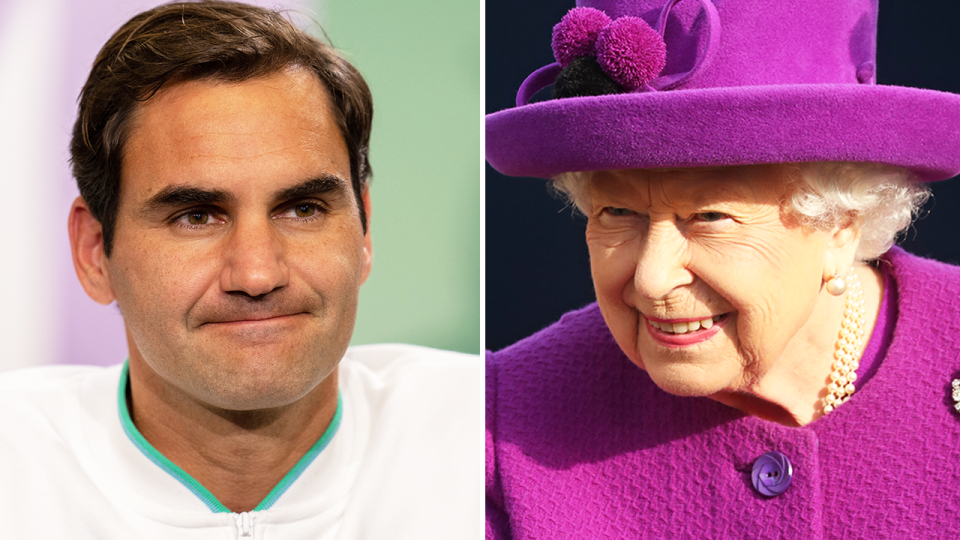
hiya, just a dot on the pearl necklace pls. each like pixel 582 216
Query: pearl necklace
pixel 849 347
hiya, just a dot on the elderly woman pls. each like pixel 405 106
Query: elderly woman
pixel 760 363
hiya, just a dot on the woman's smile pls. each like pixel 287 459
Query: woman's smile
pixel 708 264
pixel 685 331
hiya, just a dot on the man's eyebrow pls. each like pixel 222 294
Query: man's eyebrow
pixel 326 183
pixel 184 195
pixel 174 196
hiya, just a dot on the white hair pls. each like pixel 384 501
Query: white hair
pixel 884 199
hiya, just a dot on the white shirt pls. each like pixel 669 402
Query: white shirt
pixel 405 462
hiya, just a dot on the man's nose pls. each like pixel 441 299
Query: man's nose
pixel 662 261
pixel 254 262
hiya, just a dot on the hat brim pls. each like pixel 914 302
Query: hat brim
pixel 907 127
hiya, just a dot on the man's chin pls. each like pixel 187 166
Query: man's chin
pixel 231 394
pixel 253 378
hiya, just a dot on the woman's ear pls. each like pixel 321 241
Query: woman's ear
pixel 841 247
pixel 89 257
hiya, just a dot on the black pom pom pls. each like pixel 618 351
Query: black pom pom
pixel 584 77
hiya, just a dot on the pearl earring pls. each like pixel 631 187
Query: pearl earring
pixel 836 285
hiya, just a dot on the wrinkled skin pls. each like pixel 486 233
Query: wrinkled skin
pixel 691 244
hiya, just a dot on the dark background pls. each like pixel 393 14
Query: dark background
pixel 537 266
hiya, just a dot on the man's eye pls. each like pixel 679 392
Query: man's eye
pixel 197 218
pixel 301 210
pixel 305 210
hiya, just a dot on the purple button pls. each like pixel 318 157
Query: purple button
pixel 772 474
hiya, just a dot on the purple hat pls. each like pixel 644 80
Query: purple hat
pixel 697 83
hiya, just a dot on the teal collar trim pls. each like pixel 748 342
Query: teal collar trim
pixel 189 482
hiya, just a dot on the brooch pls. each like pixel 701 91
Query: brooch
pixel 956 394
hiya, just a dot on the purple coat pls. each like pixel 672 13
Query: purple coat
pixel 582 444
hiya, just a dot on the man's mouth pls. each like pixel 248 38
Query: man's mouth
pixel 253 318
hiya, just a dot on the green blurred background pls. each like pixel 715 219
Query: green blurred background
pixel 422 60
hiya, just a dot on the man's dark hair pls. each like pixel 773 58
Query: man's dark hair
pixel 215 40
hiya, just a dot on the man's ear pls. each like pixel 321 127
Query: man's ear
pixel 367 244
pixel 842 248
pixel 89 258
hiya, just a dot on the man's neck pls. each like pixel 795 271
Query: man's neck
pixel 239 456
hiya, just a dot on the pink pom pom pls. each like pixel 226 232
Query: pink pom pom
pixel 631 52
pixel 576 34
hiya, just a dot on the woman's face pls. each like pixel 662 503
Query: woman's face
pixel 702 278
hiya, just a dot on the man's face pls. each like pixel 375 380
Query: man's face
pixel 239 252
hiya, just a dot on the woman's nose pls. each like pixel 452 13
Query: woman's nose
pixel 662 261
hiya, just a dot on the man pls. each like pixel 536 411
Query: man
pixel 221 156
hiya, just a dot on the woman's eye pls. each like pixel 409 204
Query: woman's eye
pixel 710 217
pixel 614 211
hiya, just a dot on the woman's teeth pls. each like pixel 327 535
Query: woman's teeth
pixel 684 327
